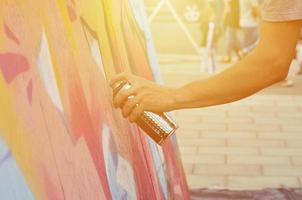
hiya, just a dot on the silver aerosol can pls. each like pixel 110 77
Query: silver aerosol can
pixel 158 126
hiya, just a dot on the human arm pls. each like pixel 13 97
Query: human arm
pixel 266 65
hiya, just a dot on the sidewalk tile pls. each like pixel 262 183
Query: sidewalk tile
pixel 294 143
pixel 228 150
pixel 282 170
pixel 206 126
pixel 188 150
pixel 278 120
pixel 204 159
pixel 228 134
pixel 253 127
pixel 182 133
pixel 280 136
pixel 206 119
pixel 294 115
pixel 211 182
pixel 188 167
pixel 254 143
pixel 260 160
pixel 256 183
pixel 281 151
pixel 292 128
pixel 227 170
pixel 251 114
pixel 297 160
pixel 201 142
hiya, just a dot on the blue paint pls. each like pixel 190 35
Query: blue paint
pixel 6 156
pixel 12 183
pixel 159 166
pixel 111 163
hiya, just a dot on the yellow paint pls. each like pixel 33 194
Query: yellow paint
pixel 68 28
pixel 93 14
pixel 55 65
pixel 15 136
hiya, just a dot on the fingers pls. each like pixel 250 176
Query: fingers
pixel 123 95
pixel 119 77
pixel 128 99
pixel 130 105
pixel 137 111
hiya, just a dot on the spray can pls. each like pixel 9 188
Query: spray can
pixel 159 126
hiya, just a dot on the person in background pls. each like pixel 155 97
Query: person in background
pixel 289 82
pixel 207 15
pixel 267 64
pixel 249 22
pixel 232 25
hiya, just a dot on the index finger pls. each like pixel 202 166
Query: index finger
pixel 117 78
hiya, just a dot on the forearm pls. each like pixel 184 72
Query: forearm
pixel 266 65
pixel 239 81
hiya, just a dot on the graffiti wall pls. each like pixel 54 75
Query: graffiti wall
pixel 60 138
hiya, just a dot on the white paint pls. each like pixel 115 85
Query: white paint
pixel 125 177
pixel 96 55
pixel 45 66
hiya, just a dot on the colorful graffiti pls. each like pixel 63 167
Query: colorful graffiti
pixel 60 138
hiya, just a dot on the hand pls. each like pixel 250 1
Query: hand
pixel 143 96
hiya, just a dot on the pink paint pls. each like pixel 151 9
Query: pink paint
pixel 71 13
pixel 12 65
pixel 10 34
pixel 53 190
pixel 29 91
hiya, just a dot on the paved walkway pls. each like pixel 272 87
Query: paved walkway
pixel 251 144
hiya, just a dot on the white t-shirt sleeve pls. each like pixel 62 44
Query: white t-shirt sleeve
pixel 281 10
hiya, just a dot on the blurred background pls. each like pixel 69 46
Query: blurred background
pixel 251 144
